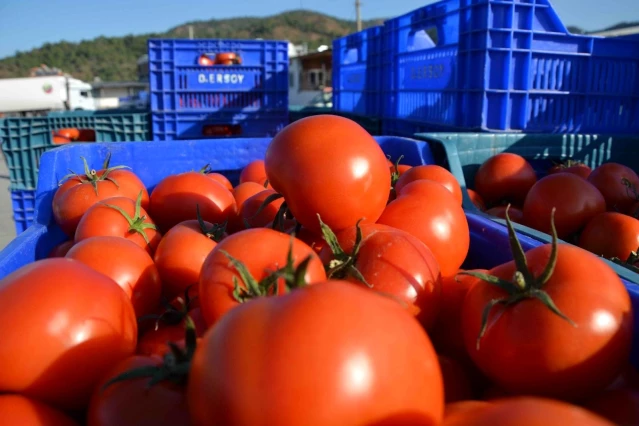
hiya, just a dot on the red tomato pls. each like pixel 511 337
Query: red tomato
pixel 505 177
pixel 457 385
pixel 527 348
pixel 611 235
pixel 22 411
pixel 70 133
pixel 119 217
pixel 125 263
pixel 337 162
pixel 515 215
pixel 609 178
pixel 476 199
pixel 262 251
pixel 578 169
pixel 313 240
pixel 620 406
pixel 241 193
pixel 132 402
pixel 250 210
pixel 456 413
pixel 431 172
pixel 365 373
pixel 181 254
pixel 205 61
pixel 227 58
pixel 447 334
pixel 155 341
pixel 74 197
pixel 60 140
pixel 61 249
pixel 81 324
pixel 392 262
pixel 576 200
pixel 254 171
pixel 526 411
pixel 436 218
pixel 218 177
pixel 176 198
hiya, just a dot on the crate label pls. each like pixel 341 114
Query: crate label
pixel 432 74
pixel 220 78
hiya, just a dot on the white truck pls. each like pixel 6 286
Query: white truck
pixel 39 95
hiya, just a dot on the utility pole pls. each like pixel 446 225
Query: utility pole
pixel 358 14
pixel 191 32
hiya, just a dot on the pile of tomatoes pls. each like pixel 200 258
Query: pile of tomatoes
pixel 72 134
pixel 596 209
pixel 323 289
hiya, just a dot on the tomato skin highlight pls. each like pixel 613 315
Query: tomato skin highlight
pixel 431 172
pixel 611 235
pixel 176 197
pixel 607 178
pixel 101 220
pixel 262 251
pixel 348 181
pixel 576 200
pixel 21 411
pixel 505 177
pixel 527 349
pixel 362 374
pixel 125 263
pixel 436 218
pixel 83 325
pixel 132 403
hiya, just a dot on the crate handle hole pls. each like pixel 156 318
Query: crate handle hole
pixel 426 38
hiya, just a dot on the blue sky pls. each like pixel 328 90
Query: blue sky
pixel 25 24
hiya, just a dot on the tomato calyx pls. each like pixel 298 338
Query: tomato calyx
pixel 343 264
pixel 569 162
pixel 91 175
pixel 632 262
pixel 395 175
pixel 283 213
pixel 174 367
pixel 523 284
pixel 172 315
pixel 293 277
pixel 137 222
pixel 215 232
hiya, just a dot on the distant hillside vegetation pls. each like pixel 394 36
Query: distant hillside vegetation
pixel 114 58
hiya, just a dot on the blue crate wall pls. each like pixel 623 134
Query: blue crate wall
pixel 357 73
pixel 508 65
pixel 23 203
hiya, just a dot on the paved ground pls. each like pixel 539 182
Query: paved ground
pixel 7 228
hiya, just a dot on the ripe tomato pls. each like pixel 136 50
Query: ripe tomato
pixel 176 198
pixel 431 172
pixel 436 218
pixel 365 373
pixel 218 177
pixel 456 413
pixel 170 329
pixel 516 215
pixel 476 199
pixel 526 411
pixel 227 58
pixel 527 348
pixel 74 197
pixel 181 254
pixel 70 133
pixel 577 168
pixel 132 402
pixel 576 200
pixel 81 325
pixel 262 251
pixel 125 263
pixel 331 166
pixel 611 235
pixel 250 210
pixel 609 179
pixel 119 217
pixel 392 262
pixel 254 171
pixel 620 406
pixel 313 240
pixel 61 249
pixel 241 193
pixel 447 334
pixel 505 177
pixel 22 411
pixel 457 386
pixel 60 140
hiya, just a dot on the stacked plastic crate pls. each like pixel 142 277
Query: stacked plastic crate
pixel 217 88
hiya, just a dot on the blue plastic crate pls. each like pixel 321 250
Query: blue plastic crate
pixel 464 153
pixel 203 125
pixel 179 84
pixel 24 140
pixel 23 204
pixel 357 73
pixel 507 65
